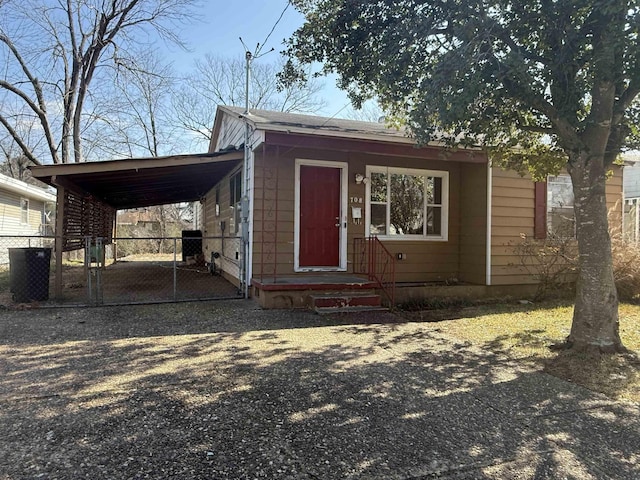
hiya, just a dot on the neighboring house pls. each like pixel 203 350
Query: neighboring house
pixel 140 217
pixel 168 220
pixel 317 185
pixel 632 197
pixel 25 211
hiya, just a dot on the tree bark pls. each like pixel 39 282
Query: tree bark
pixel 595 315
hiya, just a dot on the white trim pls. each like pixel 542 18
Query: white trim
pixel 344 187
pixel 443 174
pixel 636 227
pixel 26 190
pixel 489 222
pixel 633 202
pixel 549 208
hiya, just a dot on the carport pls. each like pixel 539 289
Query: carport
pixel 89 194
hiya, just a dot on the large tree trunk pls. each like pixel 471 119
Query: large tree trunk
pixel 595 315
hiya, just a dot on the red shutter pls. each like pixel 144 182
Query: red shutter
pixel 540 218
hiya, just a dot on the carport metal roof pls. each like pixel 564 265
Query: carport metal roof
pixel 142 182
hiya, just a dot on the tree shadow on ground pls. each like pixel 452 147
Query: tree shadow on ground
pixel 616 376
pixel 43 326
pixel 332 402
pixel 188 318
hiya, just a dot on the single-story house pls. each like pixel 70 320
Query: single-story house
pixel 318 187
pixel 331 212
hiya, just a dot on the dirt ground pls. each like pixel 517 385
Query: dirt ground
pixel 135 280
pixel 210 390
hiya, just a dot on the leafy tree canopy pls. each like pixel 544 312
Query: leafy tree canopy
pixel 543 76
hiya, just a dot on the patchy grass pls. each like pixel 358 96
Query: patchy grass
pixel 525 332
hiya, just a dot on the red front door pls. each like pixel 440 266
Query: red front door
pixel 319 216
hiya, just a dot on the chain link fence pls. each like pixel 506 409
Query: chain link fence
pixel 25 266
pixel 122 271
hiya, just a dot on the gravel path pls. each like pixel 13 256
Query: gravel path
pixel 224 390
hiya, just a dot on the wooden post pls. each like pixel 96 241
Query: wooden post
pixel 59 240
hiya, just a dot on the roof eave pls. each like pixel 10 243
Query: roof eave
pixel 44 172
pixel 29 191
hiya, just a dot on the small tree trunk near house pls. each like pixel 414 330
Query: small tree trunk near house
pixel 595 315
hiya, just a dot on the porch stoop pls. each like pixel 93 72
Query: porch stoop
pixel 323 293
pixel 335 303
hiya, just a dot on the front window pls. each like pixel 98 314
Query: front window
pixel 407 203
pixel 560 217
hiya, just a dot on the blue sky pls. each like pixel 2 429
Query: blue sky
pixel 221 24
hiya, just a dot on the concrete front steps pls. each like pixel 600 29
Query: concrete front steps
pixel 326 293
pixel 325 304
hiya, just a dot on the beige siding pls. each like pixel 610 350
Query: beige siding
pixel 226 242
pixel 426 261
pixel 273 218
pixel 513 215
pixel 473 224
pixel 512 198
pixel 10 215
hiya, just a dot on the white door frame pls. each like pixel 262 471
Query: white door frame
pixel 344 176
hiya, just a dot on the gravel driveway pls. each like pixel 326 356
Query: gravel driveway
pixel 225 390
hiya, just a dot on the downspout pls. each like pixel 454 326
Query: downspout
pixel 489 219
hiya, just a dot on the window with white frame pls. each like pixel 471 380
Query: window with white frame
pixel 560 216
pixel 48 214
pixel 24 210
pixel 235 194
pixel 407 203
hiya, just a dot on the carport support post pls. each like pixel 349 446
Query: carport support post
pixel 59 240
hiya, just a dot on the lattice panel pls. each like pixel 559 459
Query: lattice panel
pixel 85 217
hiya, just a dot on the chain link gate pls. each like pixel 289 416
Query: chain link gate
pixel 93 264
pixel 118 271
pixel 154 269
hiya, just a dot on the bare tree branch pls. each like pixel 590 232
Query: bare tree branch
pixel 25 149
pixel 79 37
pixel 220 80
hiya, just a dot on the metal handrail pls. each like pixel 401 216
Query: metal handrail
pixel 379 266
